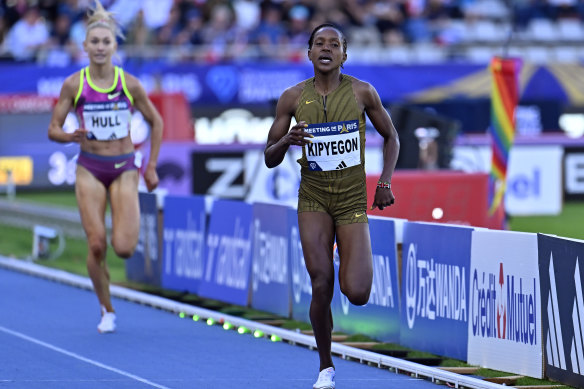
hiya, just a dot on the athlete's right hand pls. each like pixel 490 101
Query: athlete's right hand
pixel 297 136
pixel 78 135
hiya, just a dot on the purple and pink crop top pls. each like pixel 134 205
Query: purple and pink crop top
pixel 105 113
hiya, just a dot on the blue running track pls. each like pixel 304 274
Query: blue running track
pixel 48 339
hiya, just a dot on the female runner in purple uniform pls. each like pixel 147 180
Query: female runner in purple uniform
pixel 104 97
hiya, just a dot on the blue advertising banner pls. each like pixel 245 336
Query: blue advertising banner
pixel 271 264
pixel 561 279
pixel 301 285
pixel 228 253
pixel 145 266
pixel 24 135
pixel 379 318
pixel 260 83
pixel 241 83
pixel 435 282
pixel 184 242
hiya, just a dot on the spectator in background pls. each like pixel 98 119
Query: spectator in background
pixel 75 9
pixel 437 16
pixel 563 9
pixel 436 9
pixel 3 33
pixel 359 12
pixel 298 16
pixel 192 32
pixel 61 50
pixel 138 33
pixel 226 26
pixel 77 34
pixel 61 31
pixel 190 37
pixel 220 34
pixel 527 10
pixel 47 8
pixel 449 33
pixel 416 25
pixel 248 14
pixel 166 34
pixel 15 11
pixel 389 19
pixel 156 12
pixel 298 35
pixel 334 13
pixel 28 36
pixel 270 32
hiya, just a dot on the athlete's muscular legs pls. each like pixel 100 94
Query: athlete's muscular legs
pixel 317 235
pixel 92 200
pixel 125 213
pixel 356 269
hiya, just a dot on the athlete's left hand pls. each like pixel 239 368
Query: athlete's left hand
pixel 383 198
pixel 151 178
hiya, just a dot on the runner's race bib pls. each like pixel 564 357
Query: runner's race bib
pixel 107 120
pixel 335 145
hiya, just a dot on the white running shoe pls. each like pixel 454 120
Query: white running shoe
pixel 107 323
pixel 326 379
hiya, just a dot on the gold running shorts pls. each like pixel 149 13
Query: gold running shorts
pixel 340 193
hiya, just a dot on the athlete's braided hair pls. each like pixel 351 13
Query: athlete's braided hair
pixel 100 17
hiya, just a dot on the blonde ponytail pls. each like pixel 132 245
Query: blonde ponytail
pixel 100 17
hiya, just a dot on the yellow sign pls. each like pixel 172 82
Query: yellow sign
pixel 21 169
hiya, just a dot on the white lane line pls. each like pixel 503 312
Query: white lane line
pixel 81 358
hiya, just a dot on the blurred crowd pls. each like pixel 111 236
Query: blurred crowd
pixel 53 31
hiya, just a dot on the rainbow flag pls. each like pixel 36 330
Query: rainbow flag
pixel 504 99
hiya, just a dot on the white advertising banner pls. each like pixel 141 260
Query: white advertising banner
pixel 504 326
pixel 273 186
pixel 534 185
pixel 534 176
pixel 574 177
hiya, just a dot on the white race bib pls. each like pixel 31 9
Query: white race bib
pixel 107 120
pixel 335 145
